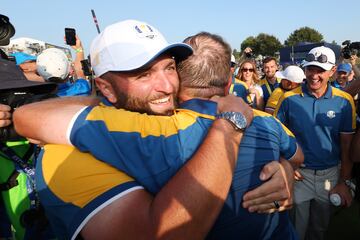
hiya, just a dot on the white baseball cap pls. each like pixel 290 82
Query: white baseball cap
pixel 233 59
pixel 291 73
pixel 53 62
pixel 322 57
pixel 129 45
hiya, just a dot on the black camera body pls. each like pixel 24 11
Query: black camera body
pixel 16 98
pixel 7 30
pixel 249 55
pixel 351 48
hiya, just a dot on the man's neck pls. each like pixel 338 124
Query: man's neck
pixel 318 93
pixel 343 84
pixel 271 80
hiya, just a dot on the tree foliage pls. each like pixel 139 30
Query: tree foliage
pixel 304 34
pixel 263 44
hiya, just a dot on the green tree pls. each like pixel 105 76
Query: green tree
pixel 304 34
pixel 236 54
pixel 263 44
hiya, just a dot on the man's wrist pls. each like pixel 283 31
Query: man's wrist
pixel 79 50
pixel 236 119
pixel 228 129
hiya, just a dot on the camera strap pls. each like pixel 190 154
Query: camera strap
pixel 10 182
pixel 27 169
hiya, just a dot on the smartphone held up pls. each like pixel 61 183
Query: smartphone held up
pixel 70 36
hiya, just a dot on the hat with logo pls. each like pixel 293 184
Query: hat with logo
pixel 11 77
pixel 53 63
pixel 130 45
pixel 21 57
pixel 291 73
pixel 344 67
pixel 322 57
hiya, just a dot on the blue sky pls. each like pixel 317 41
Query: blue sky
pixel 234 20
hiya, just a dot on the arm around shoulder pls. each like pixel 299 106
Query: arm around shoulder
pixel 47 121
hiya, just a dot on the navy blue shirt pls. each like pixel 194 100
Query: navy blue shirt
pixel 318 122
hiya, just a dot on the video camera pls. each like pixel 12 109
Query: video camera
pixel 351 48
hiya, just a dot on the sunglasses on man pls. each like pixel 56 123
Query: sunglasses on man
pixel 321 59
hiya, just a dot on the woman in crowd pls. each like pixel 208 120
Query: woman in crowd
pixel 249 75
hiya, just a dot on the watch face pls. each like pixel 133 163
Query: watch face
pixel 239 120
pixel 235 118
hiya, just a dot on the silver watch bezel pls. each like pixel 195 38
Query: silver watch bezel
pixel 237 119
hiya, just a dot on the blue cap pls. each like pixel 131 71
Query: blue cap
pixel 21 57
pixel 344 67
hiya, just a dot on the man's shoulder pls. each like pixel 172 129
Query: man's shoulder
pixel 262 82
pixel 62 163
pixel 80 184
pixel 342 94
pixel 268 123
pixel 263 118
pixel 294 92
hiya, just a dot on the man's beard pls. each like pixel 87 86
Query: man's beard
pixel 140 105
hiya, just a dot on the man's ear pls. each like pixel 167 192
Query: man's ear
pixel 106 89
pixel 333 70
pixel 228 85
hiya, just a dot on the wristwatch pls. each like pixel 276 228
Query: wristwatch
pixel 236 119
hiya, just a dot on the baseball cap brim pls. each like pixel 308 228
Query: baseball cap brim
pixel 325 66
pixel 32 86
pixel 279 74
pixel 180 51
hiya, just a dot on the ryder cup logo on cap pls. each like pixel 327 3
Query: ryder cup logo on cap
pixel 129 45
pixel 145 31
pixel 322 57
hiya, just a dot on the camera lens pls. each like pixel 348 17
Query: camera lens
pixel 6 30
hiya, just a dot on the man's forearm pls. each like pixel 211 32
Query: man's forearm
pixel 346 163
pixel 196 194
pixel 298 158
pixel 47 121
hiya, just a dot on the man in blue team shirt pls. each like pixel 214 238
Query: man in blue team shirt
pixel 343 71
pixel 291 146
pixel 323 121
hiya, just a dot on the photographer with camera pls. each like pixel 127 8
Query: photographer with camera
pixel 16 154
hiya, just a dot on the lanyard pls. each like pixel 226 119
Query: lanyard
pixel 27 169
pixel 268 86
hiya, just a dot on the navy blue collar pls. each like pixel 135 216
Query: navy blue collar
pixel 106 102
pixel 305 91
pixel 201 106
